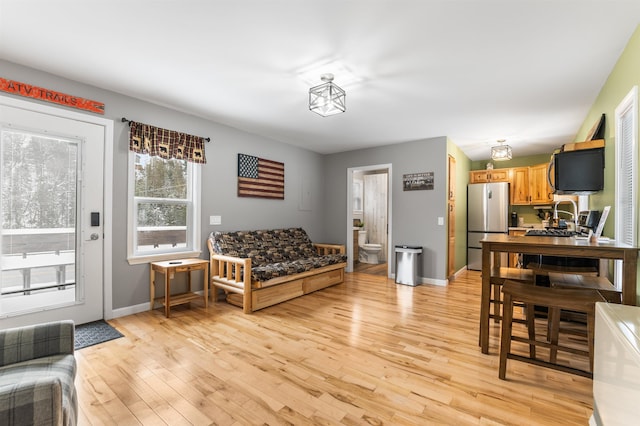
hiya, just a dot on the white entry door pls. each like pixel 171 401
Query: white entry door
pixel 51 211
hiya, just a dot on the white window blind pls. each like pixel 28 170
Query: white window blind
pixel 626 168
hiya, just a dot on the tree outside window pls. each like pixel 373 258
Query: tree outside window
pixel 163 205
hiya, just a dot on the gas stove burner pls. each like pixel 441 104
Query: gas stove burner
pixel 550 232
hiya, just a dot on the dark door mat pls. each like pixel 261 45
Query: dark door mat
pixel 95 332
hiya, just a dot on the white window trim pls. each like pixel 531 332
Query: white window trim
pixel 628 104
pixel 194 235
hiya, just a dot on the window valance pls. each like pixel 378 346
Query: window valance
pixel 155 141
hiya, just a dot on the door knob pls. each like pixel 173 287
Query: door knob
pixel 94 236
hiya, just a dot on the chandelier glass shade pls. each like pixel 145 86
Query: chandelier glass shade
pixel 327 98
pixel 501 152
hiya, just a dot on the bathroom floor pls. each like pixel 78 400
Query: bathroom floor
pixel 368 268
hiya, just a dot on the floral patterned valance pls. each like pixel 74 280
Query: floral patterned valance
pixel 164 143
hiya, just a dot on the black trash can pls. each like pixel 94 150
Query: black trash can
pixel 408 264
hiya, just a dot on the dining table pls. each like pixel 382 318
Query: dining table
pixel 493 244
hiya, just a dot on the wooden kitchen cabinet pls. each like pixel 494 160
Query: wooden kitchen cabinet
pixel 356 250
pixel 479 176
pixel 500 175
pixel 520 186
pixel 540 190
pixel 529 185
pixel 484 176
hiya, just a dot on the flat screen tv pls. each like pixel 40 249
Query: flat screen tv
pixel 578 172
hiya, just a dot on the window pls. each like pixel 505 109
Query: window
pixel 357 196
pixel 164 218
pixel 626 168
pixel 626 128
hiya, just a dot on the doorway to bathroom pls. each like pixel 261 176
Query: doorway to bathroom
pixel 368 219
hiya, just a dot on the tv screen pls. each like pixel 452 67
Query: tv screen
pixel 579 172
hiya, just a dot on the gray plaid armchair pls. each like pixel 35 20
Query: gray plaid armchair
pixel 37 373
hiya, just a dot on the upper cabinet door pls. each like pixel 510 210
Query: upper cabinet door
pixel 486 176
pixel 499 175
pixel 520 186
pixel 479 176
pixel 540 190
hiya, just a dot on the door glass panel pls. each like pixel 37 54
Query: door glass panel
pixel 38 205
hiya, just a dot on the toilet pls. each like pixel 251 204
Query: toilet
pixel 368 253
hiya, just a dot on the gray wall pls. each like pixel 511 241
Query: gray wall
pixel 131 283
pixel 414 213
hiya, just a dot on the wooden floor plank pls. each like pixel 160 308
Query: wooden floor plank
pixel 367 351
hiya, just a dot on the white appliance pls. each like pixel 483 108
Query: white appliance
pixel 487 213
pixel 616 370
pixel 368 252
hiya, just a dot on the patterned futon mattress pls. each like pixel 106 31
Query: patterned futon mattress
pixel 274 252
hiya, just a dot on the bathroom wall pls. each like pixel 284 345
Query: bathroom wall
pixel 375 211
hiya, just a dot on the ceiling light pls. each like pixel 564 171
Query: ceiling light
pixel 501 152
pixel 327 98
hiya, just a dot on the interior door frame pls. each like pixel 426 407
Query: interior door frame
pixel 107 275
pixel 451 215
pixel 349 223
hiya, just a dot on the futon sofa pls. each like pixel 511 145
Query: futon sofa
pixel 257 269
pixel 37 373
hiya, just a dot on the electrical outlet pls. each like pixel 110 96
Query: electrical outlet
pixel 215 220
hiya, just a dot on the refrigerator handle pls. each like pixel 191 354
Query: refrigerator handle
pixel 490 194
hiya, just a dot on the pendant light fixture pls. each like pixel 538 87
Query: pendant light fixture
pixel 327 98
pixel 501 152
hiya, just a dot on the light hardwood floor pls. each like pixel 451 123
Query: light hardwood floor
pixel 367 268
pixel 366 352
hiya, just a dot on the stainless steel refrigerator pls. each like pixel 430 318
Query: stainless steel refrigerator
pixel 487 213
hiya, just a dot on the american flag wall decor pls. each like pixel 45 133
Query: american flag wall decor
pixel 260 178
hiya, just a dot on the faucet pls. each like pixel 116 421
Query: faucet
pixel 574 215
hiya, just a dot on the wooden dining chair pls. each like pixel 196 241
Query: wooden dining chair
pixel 555 299
pixel 578 282
pixel 543 270
pixel 498 276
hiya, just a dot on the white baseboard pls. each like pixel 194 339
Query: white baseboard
pixel 135 309
pixel 460 271
pixel 434 281
pixel 424 280
pixel 129 310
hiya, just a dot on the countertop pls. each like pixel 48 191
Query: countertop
pixel 526 226
pixel 531 245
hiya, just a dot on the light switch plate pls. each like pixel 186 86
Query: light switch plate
pixel 440 220
pixel 215 220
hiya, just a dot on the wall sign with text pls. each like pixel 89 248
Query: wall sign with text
pixel 35 92
pixel 417 181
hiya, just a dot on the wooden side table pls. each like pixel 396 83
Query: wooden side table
pixel 169 269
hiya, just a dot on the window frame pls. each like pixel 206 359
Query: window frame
pixel 629 105
pixel 194 225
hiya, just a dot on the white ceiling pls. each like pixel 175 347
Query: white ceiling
pixel 476 71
